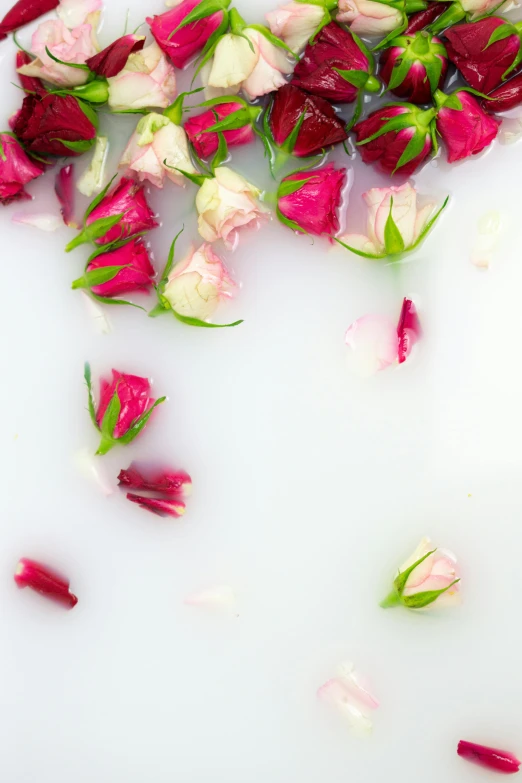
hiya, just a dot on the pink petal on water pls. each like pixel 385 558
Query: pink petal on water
pixel 336 693
pixel 356 685
pixel 492 758
pixel 163 508
pixel 373 344
pixel 64 189
pixel 42 220
pixel 44 580
pixel 408 329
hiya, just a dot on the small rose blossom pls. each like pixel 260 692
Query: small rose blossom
pixel 181 46
pixel 167 482
pixel 428 577
pixel 128 199
pixel 23 12
pixel 16 170
pixel 295 23
pixel 206 143
pixel 111 60
pixel 148 80
pixel 226 203
pixel 313 206
pixel 74 46
pixel 162 507
pixel 156 149
pixel 76 12
pixel 54 125
pixel 46 581
pixel 464 127
pixel 373 343
pixel 367 17
pixel 198 283
pixel 270 69
pixel 476 8
pixel 428 64
pixel 136 273
pixel 491 758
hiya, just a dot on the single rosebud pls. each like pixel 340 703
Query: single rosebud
pixel 147 80
pixel 491 758
pixel 397 138
pixel 507 96
pixel 336 66
pixel 429 576
pixel 118 271
pixel 232 117
pixel 45 581
pixel 464 127
pixel 16 170
pixel 61 54
pixel 296 22
pixel 370 17
pixel 486 51
pixel 414 66
pixel 111 60
pixel 309 201
pixel 123 410
pixel 184 30
pixel 168 482
pixel 23 12
pixel 59 125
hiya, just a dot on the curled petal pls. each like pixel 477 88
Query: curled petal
pixel 492 758
pixel 64 189
pixel 42 220
pixel 218 597
pixel 23 12
pixel 336 693
pixel 163 508
pixel 373 344
pixel 169 482
pixel 91 181
pixel 29 83
pixel 408 329
pixel 77 12
pixel 111 60
pixel 100 321
pixel 45 581
pixel 356 686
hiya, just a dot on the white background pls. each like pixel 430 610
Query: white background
pixel 310 487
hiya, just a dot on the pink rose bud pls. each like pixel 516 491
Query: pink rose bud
pixel 492 758
pixel 111 60
pixel 507 96
pixel 123 410
pixel 116 214
pixel 16 170
pixel 29 83
pixel 119 271
pixel 202 130
pixel 428 577
pixel 159 506
pixel 64 189
pixel 336 66
pixel 308 201
pixel 397 138
pixel 296 22
pixel 484 52
pixel 147 80
pixel 167 482
pixel 45 581
pixel 408 329
pixel 23 12
pixel 464 127
pixel 183 31
pixel 414 67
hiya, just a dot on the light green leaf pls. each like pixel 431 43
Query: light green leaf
pixel 88 383
pixel 420 600
pixel 170 262
pixel 393 241
pixel 111 415
pixel 414 148
pixel 221 153
pixel 139 424
pixel 185 319
pixel 355 78
pixel 357 252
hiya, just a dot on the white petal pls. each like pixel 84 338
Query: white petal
pixel 356 685
pixel 100 321
pixel 92 179
pixel 45 221
pixel 487 240
pixel 335 693
pixel 91 467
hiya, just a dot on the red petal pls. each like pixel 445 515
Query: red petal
pixel 111 60
pixel 23 12
pixel 163 508
pixel 64 189
pixel 492 758
pixel 29 83
pixel 169 482
pixel 45 581
pixel 408 329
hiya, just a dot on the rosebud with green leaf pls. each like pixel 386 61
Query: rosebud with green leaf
pixel 296 23
pixel 414 66
pixel 59 125
pixel 309 201
pixel 463 125
pixel 229 115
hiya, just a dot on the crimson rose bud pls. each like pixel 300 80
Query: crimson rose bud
pixel 334 49
pixel 397 138
pixel 507 96
pixel 55 125
pixel 111 60
pixel 308 201
pixel 23 12
pixel 16 170
pixel 45 581
pixel 320 126
pixel 484 51
pixel 414 66
pixel 128 199
pixel 119 271
pixel 464 127
pixel 421 19
pixel 191 37
pixel 206 144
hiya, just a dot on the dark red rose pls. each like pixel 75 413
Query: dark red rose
pixel 397 138
pixel 190 38
pixel 414 67
pixel 55 125
pixel 421 19
pixel 312 206
pixel 507 96
pixel 320 128
pixel 111 60
pixel 334 48
pixel 464 127
pixel 29 83
pixel 23 12
pixel 16 170
pixel 482 64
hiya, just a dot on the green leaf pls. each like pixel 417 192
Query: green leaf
pixel 357 252
pixel 98 276
pixel 402 578
pixel 433 71
pixel 413 148
pixel 109 300
pixel 201 11
pixel 222 99
pixel 170 262
pixel 111 415
pixel 158 310
pixel 272 38
pixel 94 203
pixel 81 66
pixel 399 122
pixel 393 241
pixel 394 33
pixel 88 383
pixel 499 33
pixel 290 223
pixel 429 225
pixel 139 424
pixel 289 186
pixel 221 153
pixel 400 71
pixel 76 146
pixel 420 600
pixel 234 121
pixel 185 319
pixel 356 78
pixel 289 143
pixel 453 102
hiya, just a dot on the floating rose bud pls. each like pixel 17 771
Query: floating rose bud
pixel 160 506
pixel 55 125
pixel 368 17
pixel 202 130
pixel 464 127
pixel 484 51
pixel 23 12
pixel 336 693
pixel 123 410
pixel 91 181
pixel 336 66
pixel 67 46
pixel 16 170
pixel 64 189
pixel 492 758
pixel 157 149
pixel 408 329
pixel 296 22
pixel 428 577
pixel 45 581
pixel 148 80
pixel 309 201
pixel 29 84
pixel 185 30
pixel 414 66
pixel 507 96
pixel 373 344
pixel 167 482
pixel 111 60
pixel 118 271
pixel 45 221
pixel 397 138
pixel 76 12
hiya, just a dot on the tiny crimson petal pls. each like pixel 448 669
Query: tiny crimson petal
pixel 492 758
pixel 111 60
pixel 187 41
pixel 314 206
pixel 137 274
pixel 408 329
pixel 23 12
pixel 206 144
pixel 126 198
pixel 44 580
pixel 29 83
pixel 169 482
pixel 16 170
pixel 422 19
pixel 64 189
pixel 159 506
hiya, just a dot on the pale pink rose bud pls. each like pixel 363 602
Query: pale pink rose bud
pixel 233 62
pixel 295 23
pixel 45 581
pixel 148 80
pixel 70 46
pixel 226 203
pixel 367 17
pixel 427 578
pixel 198 283
pixel 270 69
pixel 156 149
pixel 76 12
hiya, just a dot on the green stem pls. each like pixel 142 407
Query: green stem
pixel 393 599
pixel 81 239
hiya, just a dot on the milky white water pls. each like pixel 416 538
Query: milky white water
pixel 310 487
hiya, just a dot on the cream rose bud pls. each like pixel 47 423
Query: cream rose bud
pixel 367 17
pixel 156 148
pixel 198 283
pixel 225 203
pixel 295 23
pixel 267 74
pixel 147 80
pixel 233 62
pixel 72 46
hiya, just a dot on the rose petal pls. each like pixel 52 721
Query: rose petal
pixel 487 240
pixel 160 507
pixel 408 329
pixel 336 693
pixel 492 758
pixel 100 321
pixel 45 581
pixel 356 686
pixel 91 467
pixel 91 181
pixel 373 344
pixel 45 221
pixel 64 189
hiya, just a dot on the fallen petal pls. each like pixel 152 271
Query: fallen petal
pixel 91 181
pixel 219 597
pixel 373 344
pixel 91 467
pixel 23 12
pixel 64 189
pixel 45 581
pixel 42 220
pixel 169 481
pixel 356 686
pixel 99 319
pixel 336 693
pixel 492 758
pixel 408 329
pixel 486 242
pixel 163 508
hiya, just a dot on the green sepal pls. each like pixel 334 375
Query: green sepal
pixel 499 33
pixel 233 121
pixel 273 39
pixel 139 424
pixel 414 147
pixel 170 263
pixel 289 186
pixel 109 300
pixel 420 600
pixel 81 66
pixel 394 33
pixel 201 11
pixel 94 231
pixel 451 16
pixel 197 179
pixel 97 199
pixel 289 143
pixel 429 225
pixel 355 116
pixel 97 276
pixel 185 319
pixel 174 112
pixel 357 252
pixel 433 72
pixel 157 310
pixel 95 91
pixel 221 153
pixel 76 146
pixel 2 152
pixel 90 398
pixel 355 78
pixel 400 580
pixel 400 71
pixel 393 241
pixel 290 223
pixel 399 122
pixel 111 415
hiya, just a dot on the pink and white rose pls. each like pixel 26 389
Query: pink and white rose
pixel 73 46
pixel 295 23
pixel 76 12
pixel 148 80
pixel 367 17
